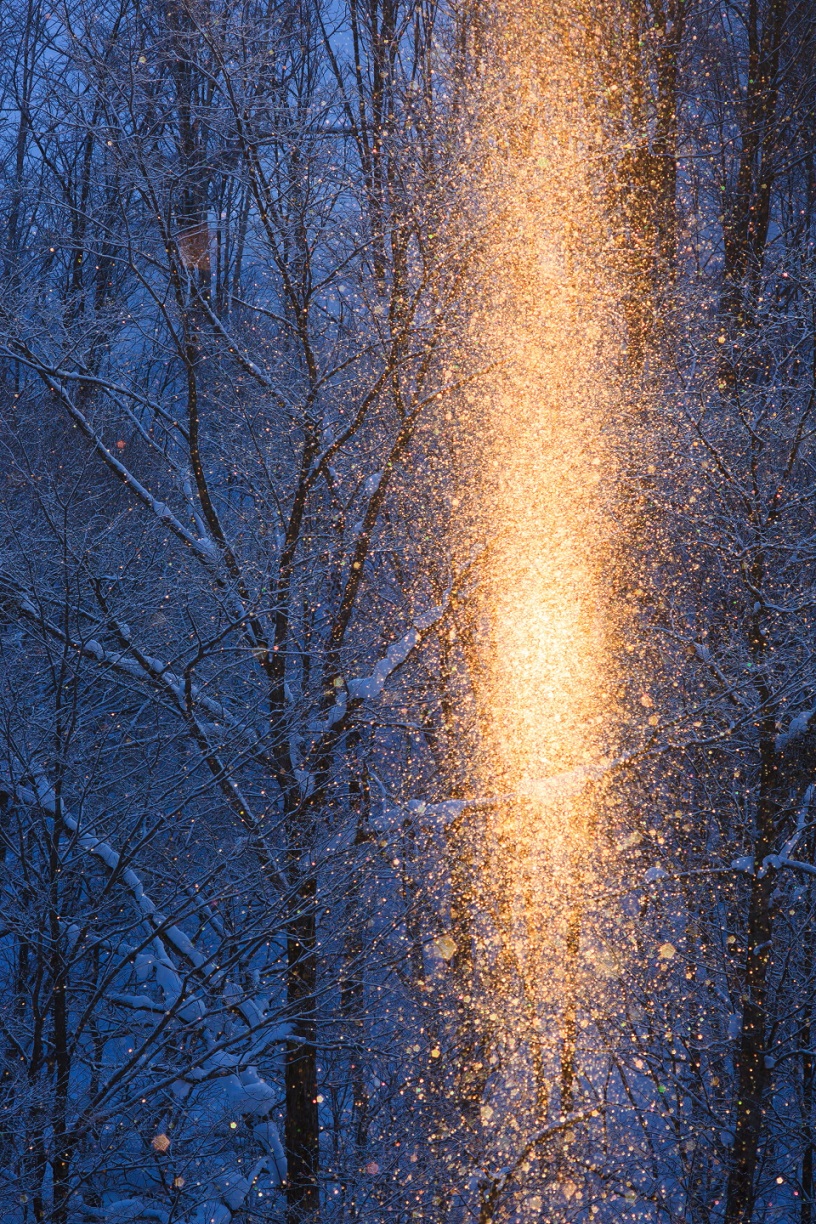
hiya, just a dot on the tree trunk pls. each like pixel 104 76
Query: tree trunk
pixel 302 1132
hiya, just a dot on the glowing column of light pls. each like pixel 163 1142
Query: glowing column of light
pixel 546 499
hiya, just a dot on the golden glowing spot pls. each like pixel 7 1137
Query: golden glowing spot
pixel 486 1113
pixel 178 1182
pixel 445 947
pixel 666 951
pixel 160 1143
pixel 435 1052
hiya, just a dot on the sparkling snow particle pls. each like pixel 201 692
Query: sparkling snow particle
pixel 666 951
pixel 634 839
pixel 160 1143
pixel 445 947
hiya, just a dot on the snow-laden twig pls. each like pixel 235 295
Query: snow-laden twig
pixel 367 688
pixel 783 858
pixel 240 1087
pixel 46 799
pixel 746 864
pixel 141 666
pixel 792 865
pixel 370 687
pixel 557 788
pixel 205 549
pixel 796 727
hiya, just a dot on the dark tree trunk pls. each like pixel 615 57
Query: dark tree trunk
pixel 302 1132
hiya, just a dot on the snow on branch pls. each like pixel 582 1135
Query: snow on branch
pixel 370 687
pixel 367 688
pixel 140 667
pixel 185 694
pixel 557 788
pixel 205 549
pixel 796 727
pixel 225 1075
pixel 746 864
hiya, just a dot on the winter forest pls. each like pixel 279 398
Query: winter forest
pixel 408 611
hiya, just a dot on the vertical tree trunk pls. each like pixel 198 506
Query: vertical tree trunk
pixel 61 1159
pixel 752 1075
pixel 302 1131
pixel 569 1014
pixel 352 986
pixel 752 1072
pixel 806 1210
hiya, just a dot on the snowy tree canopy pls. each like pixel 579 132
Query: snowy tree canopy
pixel 408 681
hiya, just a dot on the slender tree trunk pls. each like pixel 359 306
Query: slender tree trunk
pixel 806 1210
pixel 302 1126
pixel 752 1072
pixel 569 1014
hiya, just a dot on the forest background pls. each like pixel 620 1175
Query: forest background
pixel 283 936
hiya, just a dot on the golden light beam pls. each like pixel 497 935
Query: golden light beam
pixel 546 497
